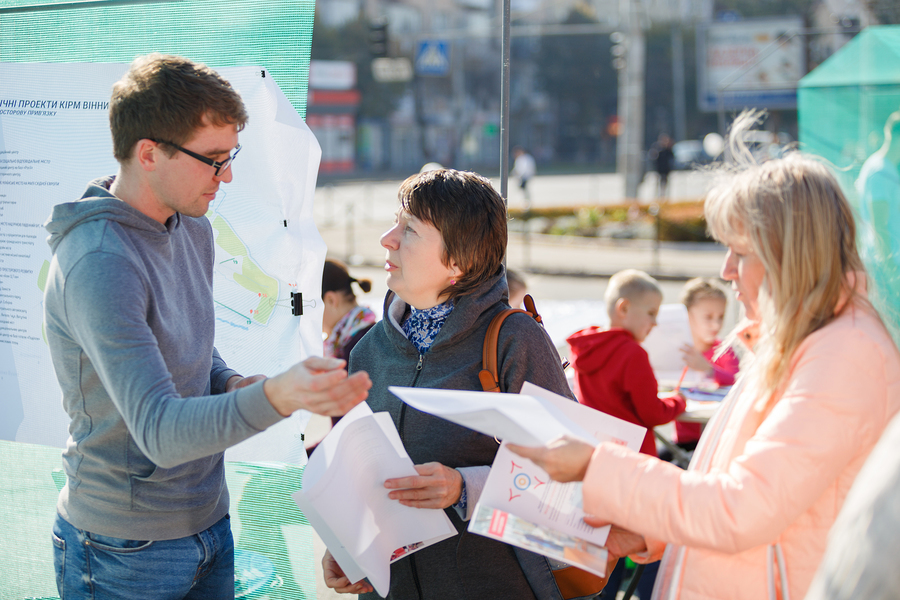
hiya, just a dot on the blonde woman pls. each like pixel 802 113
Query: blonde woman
pixel 749 519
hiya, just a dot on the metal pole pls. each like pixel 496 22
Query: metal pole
pixel 630 144
pixel 679 109
pixel 504 104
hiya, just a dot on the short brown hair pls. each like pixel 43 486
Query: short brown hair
pixel 166 98
pixel 701 288
pixel 471 217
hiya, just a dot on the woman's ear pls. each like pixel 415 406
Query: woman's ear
pixel 455 272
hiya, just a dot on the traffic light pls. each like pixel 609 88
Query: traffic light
pixel 378 38
pixel 619 50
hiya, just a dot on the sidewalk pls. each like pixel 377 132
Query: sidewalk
pixel 566 256
pixel 352 217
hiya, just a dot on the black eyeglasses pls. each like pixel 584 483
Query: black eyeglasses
pixel 219 166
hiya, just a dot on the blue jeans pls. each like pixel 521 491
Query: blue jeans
pixel 97 567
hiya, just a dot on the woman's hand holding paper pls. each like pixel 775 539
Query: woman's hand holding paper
pixel 336 580
pixel 436 486
pixel 564 459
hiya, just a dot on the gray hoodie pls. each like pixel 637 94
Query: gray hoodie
pixel 129 318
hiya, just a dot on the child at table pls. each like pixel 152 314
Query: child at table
pixel 706 303
pixel 612 370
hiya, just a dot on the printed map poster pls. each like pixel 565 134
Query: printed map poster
pixel 54 139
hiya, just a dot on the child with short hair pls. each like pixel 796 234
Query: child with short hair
pixel 612 370
pixel 706 303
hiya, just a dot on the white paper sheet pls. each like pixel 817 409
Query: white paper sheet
pixel 345 500
pixel 663 345
pixel 521 505
pixel 517 418
pixel 601 426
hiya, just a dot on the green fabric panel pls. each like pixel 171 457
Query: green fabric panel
pixel 842 109
pixel 871 58
pixel 266 522
pixel 276 34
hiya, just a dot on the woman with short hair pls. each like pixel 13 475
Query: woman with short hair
pixel 447 282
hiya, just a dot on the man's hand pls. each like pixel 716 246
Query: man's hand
pixel 236 381
pixel 564 459
pixel 336 580
pixel 319 385
pixel 436 486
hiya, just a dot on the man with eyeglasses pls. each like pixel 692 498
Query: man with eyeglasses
pixel 129 319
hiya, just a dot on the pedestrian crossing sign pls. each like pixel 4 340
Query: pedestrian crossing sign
pixel 433 58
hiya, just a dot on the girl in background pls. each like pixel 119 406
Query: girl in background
pixel 706 303
pixel 345 321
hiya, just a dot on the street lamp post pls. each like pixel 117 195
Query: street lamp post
pixel 629 148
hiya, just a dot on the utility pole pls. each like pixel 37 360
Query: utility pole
pixel 679 111
pixel 630 146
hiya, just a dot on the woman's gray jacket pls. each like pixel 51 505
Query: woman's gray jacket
pixel 466 565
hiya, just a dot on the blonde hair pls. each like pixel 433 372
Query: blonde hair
pixel 791 213
pixel 630 284
pixel 701 288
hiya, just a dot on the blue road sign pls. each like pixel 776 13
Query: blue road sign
pixel 433 58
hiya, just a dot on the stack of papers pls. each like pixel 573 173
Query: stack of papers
pixel 345 500
pixel 520 504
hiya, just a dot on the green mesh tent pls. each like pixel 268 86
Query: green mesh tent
pixel 844 106
pixel 276 34
pixel 274 555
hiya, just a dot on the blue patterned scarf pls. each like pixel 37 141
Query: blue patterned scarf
pixel 422 326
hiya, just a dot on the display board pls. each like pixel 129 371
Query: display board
pixel 54 139
pixel 756 63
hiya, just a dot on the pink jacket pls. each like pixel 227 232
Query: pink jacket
pixel 764 486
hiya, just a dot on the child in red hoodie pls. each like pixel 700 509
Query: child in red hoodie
pixel 612 370
pixel 613 374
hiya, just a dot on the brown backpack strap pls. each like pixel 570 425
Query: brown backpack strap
pixel 489 374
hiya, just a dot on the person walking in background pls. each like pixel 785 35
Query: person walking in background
pixel 447 282
pixel 130 323
pixel 663 162
pixel 524 169
pixel 749 519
